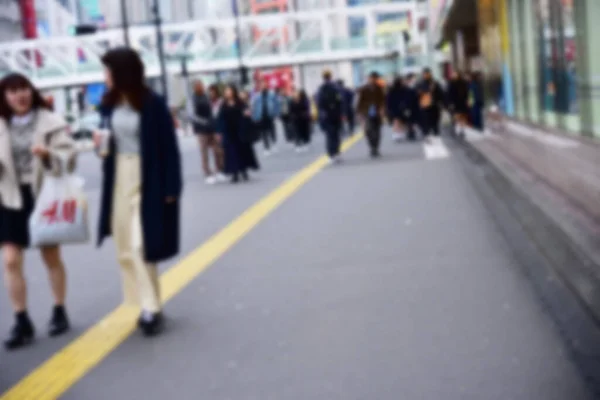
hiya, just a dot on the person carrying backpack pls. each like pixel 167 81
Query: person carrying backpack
pixel 330 108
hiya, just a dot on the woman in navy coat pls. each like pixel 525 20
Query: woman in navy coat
pixel 142 182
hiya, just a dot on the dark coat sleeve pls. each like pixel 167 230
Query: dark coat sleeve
pixel 169 150
pixel 390 101
pixel 439 95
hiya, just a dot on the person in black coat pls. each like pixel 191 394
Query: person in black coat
pixel 475 101
pixel 301 118
pixel 348 99
pixel 402 107
pixel 330 106
pixel 239 134
pixel 431 100
pixel 458 102
pixel 141 183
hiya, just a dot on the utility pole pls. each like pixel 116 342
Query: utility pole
pixel 238 33
pixel 125 22
pixel 191 9
pixel 298 34
pixel 430 44
pixel 160 50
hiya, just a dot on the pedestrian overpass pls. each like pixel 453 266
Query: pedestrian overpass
pixel 287 39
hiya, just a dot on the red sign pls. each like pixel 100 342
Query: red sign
pixel 29 25
pixel 28 20
pixel 61 212
pixel 281 78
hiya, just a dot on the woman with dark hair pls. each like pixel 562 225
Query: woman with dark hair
pixel 301 119
pixel 142 182
pixel 33 142
pixel 237 129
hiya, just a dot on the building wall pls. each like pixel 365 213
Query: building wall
pixel 541 61
pixel 10 21
pixel 310 76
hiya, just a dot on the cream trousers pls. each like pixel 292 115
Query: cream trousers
pixel 140 279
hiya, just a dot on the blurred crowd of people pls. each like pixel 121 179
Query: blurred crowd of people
pixel 227 137
pixel 413 105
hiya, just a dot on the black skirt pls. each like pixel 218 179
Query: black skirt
pixel 14 224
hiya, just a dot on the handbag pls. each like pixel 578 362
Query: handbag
pixel 60 215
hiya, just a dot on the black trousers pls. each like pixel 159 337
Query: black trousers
pixel 373 132
pixel 288 129
pixel 430 121
pixel 267 133
pixel 302 132
pixel 333 140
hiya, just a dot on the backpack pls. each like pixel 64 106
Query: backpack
pixel 330 101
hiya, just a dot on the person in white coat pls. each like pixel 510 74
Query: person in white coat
pixel 33 142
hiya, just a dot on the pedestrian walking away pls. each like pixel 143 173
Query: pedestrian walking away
pixel 330 110
pixel 371 109
pixel 34 143
pixel 142 183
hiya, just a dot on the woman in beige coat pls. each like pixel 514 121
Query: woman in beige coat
pixel 31 140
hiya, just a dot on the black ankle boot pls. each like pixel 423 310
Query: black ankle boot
pixel 245 176
pixel 235 178
pixel 59 323
pixel 152 324
pixel 22 332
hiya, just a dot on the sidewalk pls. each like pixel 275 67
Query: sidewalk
pixel 375 279
pixel 551 184
pixel 357 287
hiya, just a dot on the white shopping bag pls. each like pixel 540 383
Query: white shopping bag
pixel 60 215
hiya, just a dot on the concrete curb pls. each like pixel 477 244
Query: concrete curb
pixel 543 250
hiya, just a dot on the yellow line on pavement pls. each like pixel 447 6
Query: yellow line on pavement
pixel 56 375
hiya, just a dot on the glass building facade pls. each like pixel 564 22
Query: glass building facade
pixel 389 29
pixel 541 61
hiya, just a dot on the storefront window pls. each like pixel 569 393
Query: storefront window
pixel 546 63
pixel 569 36
pixel 516 57
pixel 557 63
pixel 587 27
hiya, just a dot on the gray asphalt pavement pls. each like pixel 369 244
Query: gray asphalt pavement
pixel 378 280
